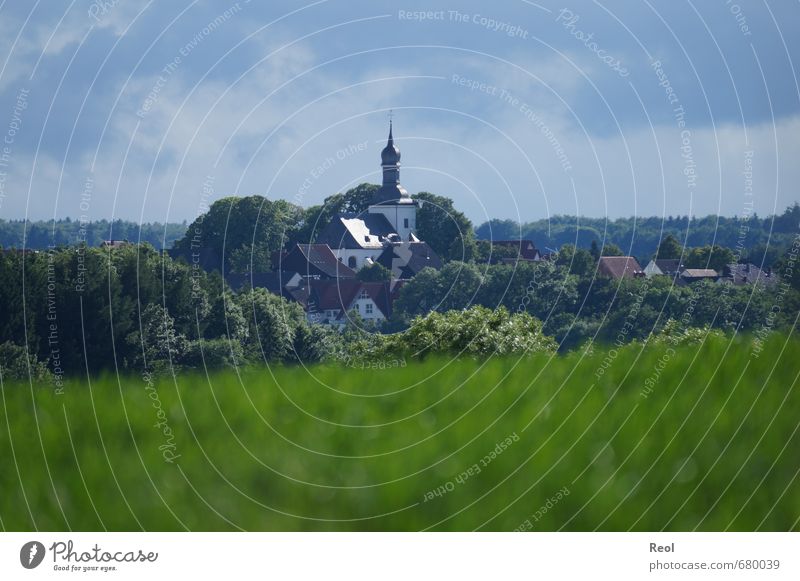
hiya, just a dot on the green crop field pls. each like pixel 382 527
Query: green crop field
pixel 699 438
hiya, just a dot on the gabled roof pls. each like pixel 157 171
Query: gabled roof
pixel 299 295
pixel 668 265
pixel 619 266
pixel 748 274
pixel 527 249
pixel 354 231
pixel 339 295
pixel 406 259
pixel 700 273
pixel 315 260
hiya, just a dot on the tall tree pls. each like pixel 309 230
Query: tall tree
pixel 448 231
pixel 669 247
pixel 240 234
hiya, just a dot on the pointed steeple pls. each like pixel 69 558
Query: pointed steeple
pixel 391 191
pixel 390 156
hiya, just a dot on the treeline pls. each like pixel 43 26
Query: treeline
pixel 133 309
pixel 43 234
pixel 575 305
pixel 72 308
pixel 763 238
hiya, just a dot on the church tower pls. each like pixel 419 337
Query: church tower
pixel 392 200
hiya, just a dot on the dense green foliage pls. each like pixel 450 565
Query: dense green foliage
pixel 577 306
pixel 135 308
pixel 354 201
pixel 472 332
pixel 709 444
pixel 374 273
pixel 445 229
pixel 240 234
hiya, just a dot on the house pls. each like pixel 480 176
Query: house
pixel 740 274
pixel 619 267
pixel 406 259
pixel 663 267
pixel 329 301
pixel 520 250
pixel 315 261
pixel 358 240
pixel 691 275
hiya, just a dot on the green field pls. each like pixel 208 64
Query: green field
pixel 540 444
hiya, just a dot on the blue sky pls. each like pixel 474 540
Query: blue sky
pixel 515 109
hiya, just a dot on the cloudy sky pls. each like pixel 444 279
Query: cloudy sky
pixel 515 109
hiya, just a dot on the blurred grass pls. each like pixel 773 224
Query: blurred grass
pixel 713 447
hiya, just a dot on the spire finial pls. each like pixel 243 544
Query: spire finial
pixel 391 114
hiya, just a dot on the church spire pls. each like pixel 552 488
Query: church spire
pixel 391 191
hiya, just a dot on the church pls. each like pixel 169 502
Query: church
pixel 386 232
pixel 323 276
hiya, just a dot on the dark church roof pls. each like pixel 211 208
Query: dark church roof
pixel 314 260
pixel 407 259
pixel 354 231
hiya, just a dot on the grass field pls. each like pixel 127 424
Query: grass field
pixel 537 444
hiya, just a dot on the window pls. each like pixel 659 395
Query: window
pixel 368 308
pixel 405 222
pixel 364 294
pixel 351 262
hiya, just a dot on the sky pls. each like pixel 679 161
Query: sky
pixel 150 111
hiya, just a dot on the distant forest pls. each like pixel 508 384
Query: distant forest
pixel 762 238
pixel 765 238
pixel 42 234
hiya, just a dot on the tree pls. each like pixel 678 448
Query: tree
pixel 714 257
pixel 157 345
pixel 789 221
pixel 611 249
pixel 455 286
pixel 445 229
pixel 273 324
pixel 374 272
pixel 476 331
pixel 240 234
pixel 669 247
pixel 354 201
pixel 17 365
pixel 594 250
pixel 577 260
